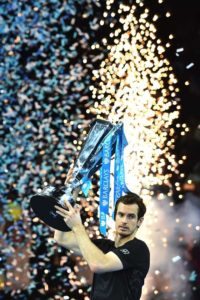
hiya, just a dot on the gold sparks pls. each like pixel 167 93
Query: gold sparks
pixel 136 85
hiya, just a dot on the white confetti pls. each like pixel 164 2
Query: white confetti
pixel 190 66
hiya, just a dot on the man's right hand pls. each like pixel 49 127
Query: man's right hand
pixel 69 174
pixel 69 180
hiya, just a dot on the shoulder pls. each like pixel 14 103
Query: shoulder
pixel 140 243
pixel 134 254
pixel 138 246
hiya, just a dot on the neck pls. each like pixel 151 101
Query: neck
pixel 121 240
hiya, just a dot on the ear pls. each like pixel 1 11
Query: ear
pixel 140 222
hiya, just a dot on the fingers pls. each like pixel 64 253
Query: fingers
pixel 66 213
pixel 77 208
pixel 65 217
pixel 60 209
pixel 68 205
pixel 69 174
pixel 68 179
pixel 60 213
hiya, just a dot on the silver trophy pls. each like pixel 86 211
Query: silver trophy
pixel 88 162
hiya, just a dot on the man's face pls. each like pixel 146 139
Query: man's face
pixel 126 220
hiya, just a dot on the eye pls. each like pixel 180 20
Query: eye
pixel 131 216
pixel 120 214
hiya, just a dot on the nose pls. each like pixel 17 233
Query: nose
pixel 124 220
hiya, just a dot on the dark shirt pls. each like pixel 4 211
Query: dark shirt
pixel 127 283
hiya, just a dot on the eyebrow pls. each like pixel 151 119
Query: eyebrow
pixel 132 214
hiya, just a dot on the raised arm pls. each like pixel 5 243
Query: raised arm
pixel 96 259
pixel 79 241
pixel 68 239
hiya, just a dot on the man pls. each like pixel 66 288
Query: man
pixel 119 266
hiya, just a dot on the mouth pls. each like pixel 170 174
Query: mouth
pixel 123 227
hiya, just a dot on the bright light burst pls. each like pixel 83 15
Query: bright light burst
pixel 135 84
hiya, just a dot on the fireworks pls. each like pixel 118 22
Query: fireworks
pixel 136 85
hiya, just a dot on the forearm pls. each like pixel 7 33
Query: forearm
pixel 93 255
pixel 63 238
pixel 67 240
pixel 59 235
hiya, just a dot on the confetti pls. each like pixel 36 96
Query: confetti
pixel 180 50
pixel 176 258
pixel 62 64
pixel 190 66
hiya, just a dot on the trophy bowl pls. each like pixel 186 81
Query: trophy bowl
pixel 43 205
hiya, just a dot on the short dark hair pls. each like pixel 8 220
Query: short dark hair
pixel 131 198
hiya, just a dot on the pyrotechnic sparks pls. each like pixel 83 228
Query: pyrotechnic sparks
pixel 136 85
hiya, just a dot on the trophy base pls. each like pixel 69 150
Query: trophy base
pixel 44 208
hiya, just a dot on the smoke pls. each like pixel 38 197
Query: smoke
pixel 171 231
